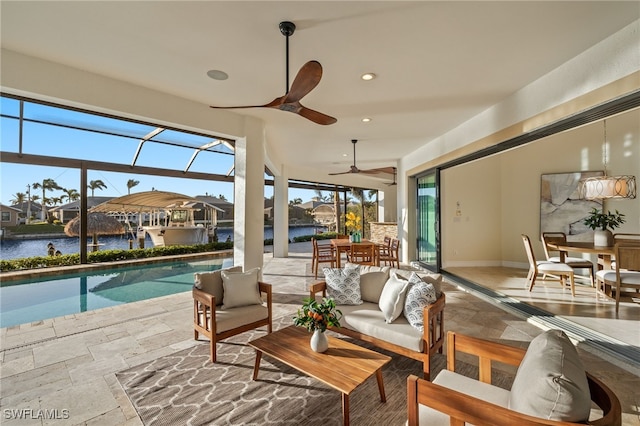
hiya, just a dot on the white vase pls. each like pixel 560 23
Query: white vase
pixel 319 341
pixel 602 238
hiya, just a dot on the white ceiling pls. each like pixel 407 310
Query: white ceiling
pixel 438 63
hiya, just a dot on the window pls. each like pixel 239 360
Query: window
pixel 6 216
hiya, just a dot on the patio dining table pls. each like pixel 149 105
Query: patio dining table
pixel 344 245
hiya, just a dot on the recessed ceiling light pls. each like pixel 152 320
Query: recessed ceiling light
pixel 366 120
pixel 217 74
pixel 368 76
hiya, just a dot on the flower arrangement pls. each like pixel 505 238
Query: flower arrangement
pixel 318 316
pixel 353 222
pixel 601 220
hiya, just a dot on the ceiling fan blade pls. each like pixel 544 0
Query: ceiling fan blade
pixel 341 173
pixel 388 170
pixel 273 104
pixel 315 116
pixel 307 78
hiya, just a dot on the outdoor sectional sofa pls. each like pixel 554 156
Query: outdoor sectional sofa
pixel 367 322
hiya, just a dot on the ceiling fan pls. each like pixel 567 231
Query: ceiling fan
pixel 306 80
pixel 395 173
pixel 355 169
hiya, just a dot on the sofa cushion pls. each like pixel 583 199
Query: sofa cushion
pixel 368 319
pixel 392 297
pixel 240 288
pixel 343 285
pixel 419 295
pixel 551 382
pixel 432 278
pixel 372 280
pixel 211 282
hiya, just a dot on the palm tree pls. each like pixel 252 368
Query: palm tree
pixel 130 184
pixel 71 194
pixel 96 184
pixel 46 185
pixel 18 198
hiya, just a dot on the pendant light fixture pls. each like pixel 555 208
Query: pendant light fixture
pixel 604 187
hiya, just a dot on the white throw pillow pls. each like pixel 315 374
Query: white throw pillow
pixel 427 277
pixel 419 295
pixel 392 297
pixel 551 382
pixel 343 285
pixel 240 289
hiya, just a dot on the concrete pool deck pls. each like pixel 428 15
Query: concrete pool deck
pixel 70 363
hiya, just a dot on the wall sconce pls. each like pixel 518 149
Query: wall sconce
pixel 603 187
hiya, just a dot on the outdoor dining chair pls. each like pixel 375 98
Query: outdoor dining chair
pixel 322 253
pixel 362 253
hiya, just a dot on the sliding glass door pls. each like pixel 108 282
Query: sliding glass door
pixel 428 226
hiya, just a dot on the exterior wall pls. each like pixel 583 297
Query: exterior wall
pixel 381 229
pixel 10 214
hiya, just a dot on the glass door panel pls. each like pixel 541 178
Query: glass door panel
pixel 428 246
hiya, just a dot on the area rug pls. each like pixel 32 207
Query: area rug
pixel 187 389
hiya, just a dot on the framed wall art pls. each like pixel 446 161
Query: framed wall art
pixel 561 209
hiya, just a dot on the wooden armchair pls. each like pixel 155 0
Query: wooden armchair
pixel 217 321
pixel 457 400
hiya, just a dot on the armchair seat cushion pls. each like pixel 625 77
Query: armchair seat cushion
pixel 466 385
pixel 237 317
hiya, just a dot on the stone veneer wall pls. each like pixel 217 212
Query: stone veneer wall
pixel 381 229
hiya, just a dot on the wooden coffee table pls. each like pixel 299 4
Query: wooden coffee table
pixel 344 366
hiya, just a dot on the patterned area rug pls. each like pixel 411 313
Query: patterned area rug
pixel 187 389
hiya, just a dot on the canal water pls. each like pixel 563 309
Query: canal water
pixel 16 249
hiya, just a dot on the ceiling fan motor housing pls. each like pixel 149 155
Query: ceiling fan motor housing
pixel 287 28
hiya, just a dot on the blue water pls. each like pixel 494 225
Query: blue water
pixel 16 249
pixel 37 299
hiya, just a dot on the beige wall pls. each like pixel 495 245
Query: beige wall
pixel 500 196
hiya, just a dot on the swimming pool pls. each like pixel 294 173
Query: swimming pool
pixel 26 301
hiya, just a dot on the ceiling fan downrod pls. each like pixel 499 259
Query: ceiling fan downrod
pixel 287 29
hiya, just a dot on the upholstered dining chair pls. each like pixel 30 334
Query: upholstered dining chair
pixel 362 253
pixel 227 302
pixel 546 268
pixel 391 255
pixel 322 253
pixel 574 262
pixel 627 272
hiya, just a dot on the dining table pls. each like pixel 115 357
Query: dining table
pixel 343 245
pixel 605 253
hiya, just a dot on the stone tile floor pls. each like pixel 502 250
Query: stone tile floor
pixel 67 365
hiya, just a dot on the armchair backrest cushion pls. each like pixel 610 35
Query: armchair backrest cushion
pixel 211 282
pixel 240 288
pixel 551 382
pixel 372 280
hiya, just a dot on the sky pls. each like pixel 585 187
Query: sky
pixel 63 141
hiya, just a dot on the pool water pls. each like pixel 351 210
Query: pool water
pixel 32 300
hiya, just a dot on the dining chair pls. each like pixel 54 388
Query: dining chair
pixel 322 253
pixel 627 273
pixel 362 253
pixel 391 255
pixel 546 268
pixel 574 262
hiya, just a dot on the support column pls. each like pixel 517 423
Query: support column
pixel 281 214
pixel 248 212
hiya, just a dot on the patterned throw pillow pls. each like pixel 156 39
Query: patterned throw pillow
pixel 419 295
pixel 343 285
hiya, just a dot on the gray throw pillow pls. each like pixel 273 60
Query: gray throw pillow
pixel 419 295
pixel 343 285
pixel 211 282
pixel 372 280
pixel 551 382
pixel 240 289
